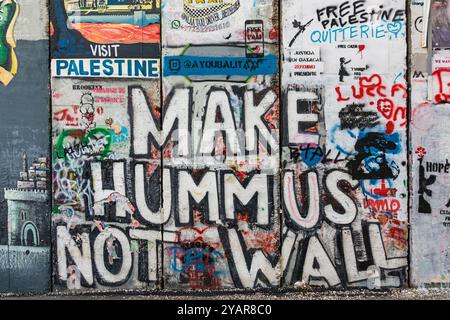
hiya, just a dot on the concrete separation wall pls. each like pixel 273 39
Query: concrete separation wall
pixel 224 144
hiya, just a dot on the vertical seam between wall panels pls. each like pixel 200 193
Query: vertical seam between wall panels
pixel 49 181
pixel 9 266
pixel 280 137
pixel 50 148
pixel 161 117
pixel 408 136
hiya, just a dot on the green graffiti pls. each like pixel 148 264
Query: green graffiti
pixel 9 11
pixel 85 140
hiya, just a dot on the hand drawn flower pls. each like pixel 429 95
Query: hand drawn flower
pixel 421 152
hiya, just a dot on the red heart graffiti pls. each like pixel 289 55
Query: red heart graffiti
pixel 373 81
pixel 386 107
pixel 361 48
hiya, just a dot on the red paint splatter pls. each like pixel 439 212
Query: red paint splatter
pixel 361 49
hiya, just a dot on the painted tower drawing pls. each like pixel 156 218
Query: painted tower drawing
pixel 28 206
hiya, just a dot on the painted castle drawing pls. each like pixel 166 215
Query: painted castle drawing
pixel 24 260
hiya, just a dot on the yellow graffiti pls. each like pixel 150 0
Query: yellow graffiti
pixel 9 11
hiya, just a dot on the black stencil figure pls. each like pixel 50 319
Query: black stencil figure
pixel 424 183
pixel 342 70
pixel 370 162
pixel 301 28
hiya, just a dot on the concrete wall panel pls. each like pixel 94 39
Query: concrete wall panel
pixel 24 225
pixel 345 194
pixel 106 193
pixel 430 212
pixel 221 82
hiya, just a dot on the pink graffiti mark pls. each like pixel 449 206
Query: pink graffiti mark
pixel 65 116
pixel 421 116
pixel 292 203
pixel 151 169
pixel 56 95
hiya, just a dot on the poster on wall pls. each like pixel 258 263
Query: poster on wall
pixel 440 23
pixel 105 38
pixel 431 199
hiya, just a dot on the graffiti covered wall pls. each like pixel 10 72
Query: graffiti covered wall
pixel 430 157
pixel 24 196
pixel 106 194
pixel 344 143
pixel 224 144
pixel 221 161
